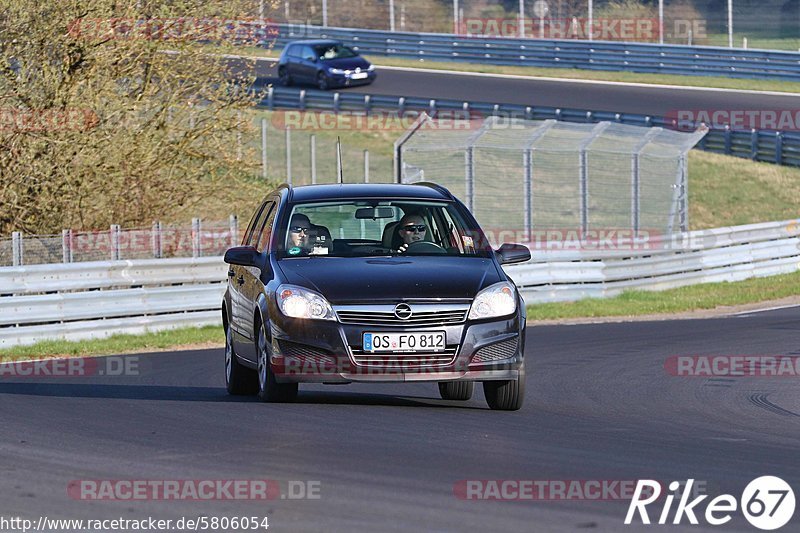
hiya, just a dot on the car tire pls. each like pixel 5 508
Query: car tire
pixel 239 380
pixel 506 395
pixel 269 390
pixel 322 82
pixel 456 390
pixel 285 78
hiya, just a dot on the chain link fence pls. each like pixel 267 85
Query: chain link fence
pixel 519 177
pixel 199 239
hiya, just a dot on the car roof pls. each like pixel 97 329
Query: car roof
pixel 420 191
pixel 316 41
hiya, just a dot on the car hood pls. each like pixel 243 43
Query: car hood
pixel 359 279
pixel 347 63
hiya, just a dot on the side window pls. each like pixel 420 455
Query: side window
pixel 308 52
pixel 249 232
pixel 266 229
pixel 253 240
pixel 294 51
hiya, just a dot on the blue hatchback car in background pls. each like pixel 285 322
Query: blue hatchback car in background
pixel 324 63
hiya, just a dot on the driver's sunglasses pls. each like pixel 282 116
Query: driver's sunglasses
pixel 416 228
pixel 298 229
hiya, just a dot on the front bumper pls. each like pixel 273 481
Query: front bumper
pixel 328 352
pixel 346 80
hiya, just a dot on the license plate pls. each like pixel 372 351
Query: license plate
pixel 358 75
pixel 424 341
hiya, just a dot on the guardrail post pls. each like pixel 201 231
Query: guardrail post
pixel 271 98
pixel 753 144
pixel 336 102
pixel 156 241
pixel 779 148
pixel 312 149
pixel 366 166
pixel 66 245
pixel 528 113
pixel 196 251
pixel 727 136
pixel 432 108
pixel 288 140
pixel 302 103
pixel 233 221
pixel 264 171
pixel 367 103
pixel 17 247
pixel 401 106
pixel 114 232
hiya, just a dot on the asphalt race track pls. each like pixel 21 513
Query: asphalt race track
pixel 600 406
pixel 655 101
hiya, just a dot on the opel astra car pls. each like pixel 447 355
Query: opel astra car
pixel 326 64
pixel 372 283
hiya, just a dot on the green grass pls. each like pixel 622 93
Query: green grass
pixel 209 336
pixel 695 297
pixel 570 73
pixel 729 191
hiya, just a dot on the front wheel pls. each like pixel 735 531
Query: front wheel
pixel 456 390
pixel 506 395
pixel 269 390
pixel 285 78
pixel 322 81
pixel 239 379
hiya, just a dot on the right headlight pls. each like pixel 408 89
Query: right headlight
pixel 494 301
pixel 299 302
pixel 336 71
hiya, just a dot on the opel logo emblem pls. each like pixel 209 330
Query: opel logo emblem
pixel 403 311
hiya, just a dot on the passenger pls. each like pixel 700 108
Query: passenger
pixel 299 229
pixel 411 229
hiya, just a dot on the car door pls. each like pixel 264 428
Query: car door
pixel 307 65
pixel 252 285
pixel 236 279
pixel 293 60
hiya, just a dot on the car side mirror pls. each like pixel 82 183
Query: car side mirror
pixel 513 253
pixel 312 59
pixel 243 256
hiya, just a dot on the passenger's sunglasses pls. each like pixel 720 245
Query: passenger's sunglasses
pixel 298 229
pixel 417 228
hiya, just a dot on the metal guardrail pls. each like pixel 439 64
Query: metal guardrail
pixel 591 55
pixel 90 300
pixel 782 148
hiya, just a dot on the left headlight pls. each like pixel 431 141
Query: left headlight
pixel 336 71
pixel 297 302
pixel 371 68
pixel 495 300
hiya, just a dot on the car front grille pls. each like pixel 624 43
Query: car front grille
pixel 305 353
pixel 423 315
pixel 497 351
pixel 404 360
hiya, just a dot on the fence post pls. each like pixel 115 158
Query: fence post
pixel 17 246
pixel 156 240
pixel 264 171
pixel 313 154
pixel 234 224
pixel 196 251
pixel 366 166
pixel 685 195
pixel 288 140
pixel 469 176
pixel 114 232
pixel 238 135
pixel 527 163
pixel 66 245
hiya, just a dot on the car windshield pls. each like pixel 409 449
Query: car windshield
pixel 334 51
pixel 359 228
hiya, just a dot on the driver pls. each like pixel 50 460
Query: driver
pixel 411 229
pixel 299 228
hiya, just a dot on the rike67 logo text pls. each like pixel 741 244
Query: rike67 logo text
pixel 767 503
